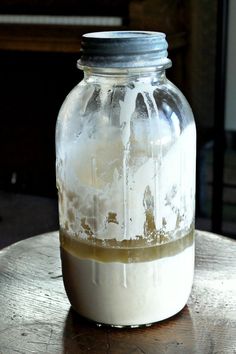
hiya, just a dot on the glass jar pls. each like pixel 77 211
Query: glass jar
pixel 125 165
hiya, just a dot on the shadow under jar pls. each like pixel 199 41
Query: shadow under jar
pixel 125 164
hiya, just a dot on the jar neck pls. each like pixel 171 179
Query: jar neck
pixel 149 74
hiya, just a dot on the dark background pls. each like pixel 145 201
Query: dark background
pixel 37 71
pixel 66 7
pixel 33 86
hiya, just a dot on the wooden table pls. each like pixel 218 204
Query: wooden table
pixel 36 316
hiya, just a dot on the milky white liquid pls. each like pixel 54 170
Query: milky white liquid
pixel 128 294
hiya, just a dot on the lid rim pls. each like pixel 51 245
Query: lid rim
pixel 111 35
pixel 124 48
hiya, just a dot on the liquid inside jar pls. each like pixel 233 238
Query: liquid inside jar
pixel 130 285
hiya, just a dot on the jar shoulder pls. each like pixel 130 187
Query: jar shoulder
pixel 169 97
pixel 112 99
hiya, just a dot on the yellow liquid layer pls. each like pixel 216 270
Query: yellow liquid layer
pixel 126 251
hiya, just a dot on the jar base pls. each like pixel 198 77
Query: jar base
pixel 132 326
pixel 125 326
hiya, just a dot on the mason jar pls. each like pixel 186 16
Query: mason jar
pixel 125 166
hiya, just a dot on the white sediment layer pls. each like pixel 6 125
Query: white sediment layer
pixel 128 294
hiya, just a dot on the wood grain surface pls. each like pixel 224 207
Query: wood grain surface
pixel 36 316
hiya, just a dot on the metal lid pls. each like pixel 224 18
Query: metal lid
pixel 124 49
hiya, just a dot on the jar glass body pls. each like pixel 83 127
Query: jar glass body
pixel 125 165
